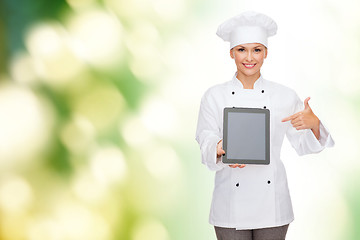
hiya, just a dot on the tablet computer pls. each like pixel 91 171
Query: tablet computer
pixel 246 137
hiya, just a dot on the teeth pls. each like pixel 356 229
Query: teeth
pixel 249 65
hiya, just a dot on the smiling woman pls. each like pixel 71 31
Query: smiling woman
pixel 246 198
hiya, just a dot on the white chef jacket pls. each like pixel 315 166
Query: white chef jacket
pixel 256 196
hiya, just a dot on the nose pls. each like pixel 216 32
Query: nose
pixel 249 56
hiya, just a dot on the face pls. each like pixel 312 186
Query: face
pixel 249 58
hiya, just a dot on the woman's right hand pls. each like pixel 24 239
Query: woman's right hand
pixel 220 151
pixel 237 165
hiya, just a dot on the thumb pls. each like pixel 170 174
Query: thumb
pixel 306 103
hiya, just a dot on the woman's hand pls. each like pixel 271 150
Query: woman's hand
pixel 305 119
pixel 237 165
pixel 220 151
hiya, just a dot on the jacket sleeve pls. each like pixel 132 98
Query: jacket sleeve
pixel 304 141
pixel 208 133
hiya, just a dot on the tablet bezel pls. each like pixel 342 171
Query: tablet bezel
pixel 266 113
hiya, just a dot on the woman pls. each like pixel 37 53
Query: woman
pixel 253 201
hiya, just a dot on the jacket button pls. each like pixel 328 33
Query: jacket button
pixel 264 106
pixel 237 184
pixel 269 182
pixel 233 93
pixel 262 91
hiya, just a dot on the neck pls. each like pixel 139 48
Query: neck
pixel 247 81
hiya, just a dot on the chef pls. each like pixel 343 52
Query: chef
pixel 253 201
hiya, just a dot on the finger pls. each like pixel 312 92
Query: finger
pixel 306 103
pixel 296 120
pixel 233 165
pixel 288 118
pixel 219 150
pixel 302 127
pixel 291 117
pixel 299 127
pixel 298 124
pixel 242 165
pixel 220 153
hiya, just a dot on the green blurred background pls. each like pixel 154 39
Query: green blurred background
pixel 99 103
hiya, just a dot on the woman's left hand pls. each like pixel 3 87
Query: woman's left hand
pixel 305 119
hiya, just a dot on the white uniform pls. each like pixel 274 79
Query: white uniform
pixel 256 196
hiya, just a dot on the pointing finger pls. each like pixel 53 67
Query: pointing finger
pixel 288 118
pixel 291 117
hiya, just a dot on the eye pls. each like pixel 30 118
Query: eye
pixel 241 49
pixel 257 50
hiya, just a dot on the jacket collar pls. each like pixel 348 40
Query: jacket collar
pixel 257 85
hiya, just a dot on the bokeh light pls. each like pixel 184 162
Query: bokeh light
pixel 154 119
pixel 16 194
pixel 78 135
pixel 25 124
pixel 50 48
pixel 23 69
pixel 97 37
pixel 108 165
pixel 152 229
pixel 100 104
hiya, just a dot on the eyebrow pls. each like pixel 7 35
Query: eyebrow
pixel 240 46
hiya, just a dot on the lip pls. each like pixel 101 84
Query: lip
pixel 249 66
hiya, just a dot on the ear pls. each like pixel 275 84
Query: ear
pixel 232 54
pixel 266 51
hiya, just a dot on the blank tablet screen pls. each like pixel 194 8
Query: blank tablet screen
pixel 246 135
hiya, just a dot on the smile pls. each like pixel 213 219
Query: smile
pixel 249 65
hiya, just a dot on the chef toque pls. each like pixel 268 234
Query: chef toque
pixel 248 27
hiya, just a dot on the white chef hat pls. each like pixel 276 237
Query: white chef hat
pixel 248 27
